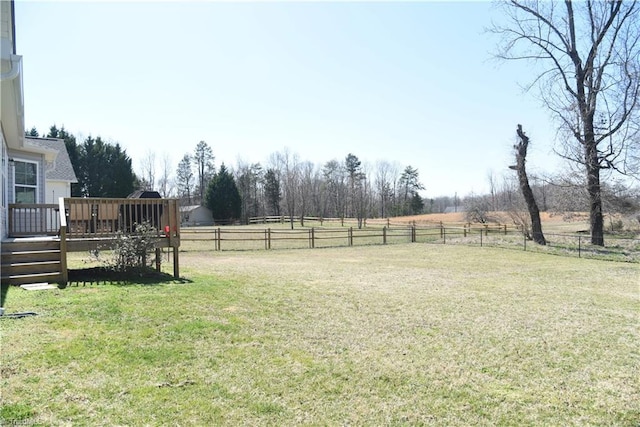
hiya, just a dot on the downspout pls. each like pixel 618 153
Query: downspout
pixel 13 25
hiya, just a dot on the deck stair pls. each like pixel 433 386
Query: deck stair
pixel 27 261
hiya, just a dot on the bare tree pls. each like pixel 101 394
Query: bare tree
pixel 525 188
pixel 289 166
pixel 386 177
pixel 306 189
pixel 164 182
pixel 491 178
pixel 148 168
pixel 590 83
pixel 335 187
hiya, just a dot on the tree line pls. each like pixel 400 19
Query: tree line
pixel 286 185
pixel 103 169
pixel 338 188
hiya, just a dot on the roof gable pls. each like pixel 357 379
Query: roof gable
pixel 60 168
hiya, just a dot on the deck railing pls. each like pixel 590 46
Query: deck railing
pixel 103 217
pixel 95 217
pixel 32 219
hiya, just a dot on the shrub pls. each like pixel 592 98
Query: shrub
pixel 136 249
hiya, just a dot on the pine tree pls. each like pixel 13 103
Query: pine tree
pixel 222 196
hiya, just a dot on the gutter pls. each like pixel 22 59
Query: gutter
pixel 16 67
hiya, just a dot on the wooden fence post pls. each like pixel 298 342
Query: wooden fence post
pixel 269 237
pixel 265 240
pixel 310 238
pixel 505 229
pixel 219 239
pixel 350 236
pixel 384 235
pixel 579 246
pixel 481 237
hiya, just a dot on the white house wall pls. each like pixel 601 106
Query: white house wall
pixel 197 216
pixel 4 190
pixel 55 190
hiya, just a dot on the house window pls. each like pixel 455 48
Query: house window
pixel 25 181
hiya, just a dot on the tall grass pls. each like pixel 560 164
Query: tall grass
pixel 409 334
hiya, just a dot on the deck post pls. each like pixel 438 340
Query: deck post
pixel 176 263
pixel 158 259
pixel 64 273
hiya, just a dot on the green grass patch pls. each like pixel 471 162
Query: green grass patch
pixel 406 334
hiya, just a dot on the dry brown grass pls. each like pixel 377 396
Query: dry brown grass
pixel 548 218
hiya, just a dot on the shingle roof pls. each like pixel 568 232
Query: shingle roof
pixel 190 208
pixel 61 168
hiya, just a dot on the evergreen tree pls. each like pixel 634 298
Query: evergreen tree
pixel 203 159
pixel 104 170
pixel 409 184
pixel 272 192
pixel 222 196
pixel 417 204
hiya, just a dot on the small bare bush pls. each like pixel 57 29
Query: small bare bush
pixel 134 250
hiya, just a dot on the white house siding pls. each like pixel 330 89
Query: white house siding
pixel 5 16
pixel 196 215
pixel 57 189
pixel 4 190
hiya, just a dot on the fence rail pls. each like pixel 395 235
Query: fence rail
pixel 235 238
pixel 379 222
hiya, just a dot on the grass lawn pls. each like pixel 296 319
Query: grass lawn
pixel 407 334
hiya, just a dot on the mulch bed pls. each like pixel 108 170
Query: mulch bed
pixel 99 275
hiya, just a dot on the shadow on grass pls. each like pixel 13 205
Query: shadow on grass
pixel 134 276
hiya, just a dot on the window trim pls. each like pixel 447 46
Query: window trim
pixel 36 187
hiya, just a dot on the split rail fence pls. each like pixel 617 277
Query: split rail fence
pixel 494 235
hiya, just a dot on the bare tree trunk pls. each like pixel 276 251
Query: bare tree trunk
pixel 527 193
pixel 595 195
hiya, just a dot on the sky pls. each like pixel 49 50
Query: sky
pixel 412 83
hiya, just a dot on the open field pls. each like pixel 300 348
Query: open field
pixel 406 334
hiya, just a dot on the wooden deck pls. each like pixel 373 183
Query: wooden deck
pixel 40 236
